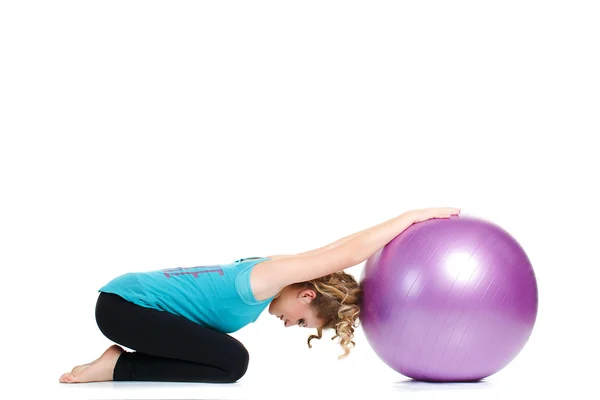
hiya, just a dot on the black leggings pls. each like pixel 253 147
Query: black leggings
pixel 170 348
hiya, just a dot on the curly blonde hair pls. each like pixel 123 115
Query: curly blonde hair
pixel 338 304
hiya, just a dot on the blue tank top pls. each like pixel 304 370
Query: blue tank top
pixel 216 296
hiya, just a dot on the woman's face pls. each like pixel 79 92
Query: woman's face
pixel 292 306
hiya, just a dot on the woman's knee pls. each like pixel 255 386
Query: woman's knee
pixel 239 360
pixel 108 317
pixel 102 314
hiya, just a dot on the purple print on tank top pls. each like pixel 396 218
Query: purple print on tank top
pixel 203 270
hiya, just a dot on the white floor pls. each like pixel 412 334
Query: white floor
pixel 296 372
pixel 505 387
pixel 246 390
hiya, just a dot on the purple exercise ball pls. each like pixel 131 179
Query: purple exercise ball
pixel 449 300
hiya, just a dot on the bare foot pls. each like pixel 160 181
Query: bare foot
pixel 99 370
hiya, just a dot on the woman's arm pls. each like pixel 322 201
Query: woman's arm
pixel 415 215
pixel 320 249
pixel 370 241
pixel 356 249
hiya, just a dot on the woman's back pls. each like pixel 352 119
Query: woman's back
pixel 215 296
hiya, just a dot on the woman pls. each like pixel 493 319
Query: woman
pixel 177 319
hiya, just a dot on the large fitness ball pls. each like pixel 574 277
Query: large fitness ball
pixel 449 300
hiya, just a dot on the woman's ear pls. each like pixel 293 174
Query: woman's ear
pixel 308 294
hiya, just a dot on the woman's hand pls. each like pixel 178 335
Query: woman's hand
pixel 429 213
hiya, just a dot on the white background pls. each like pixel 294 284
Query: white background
pixel 139 135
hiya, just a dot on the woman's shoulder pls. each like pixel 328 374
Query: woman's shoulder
pixel 262 286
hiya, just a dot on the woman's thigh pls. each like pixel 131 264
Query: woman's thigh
pixel 163 334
